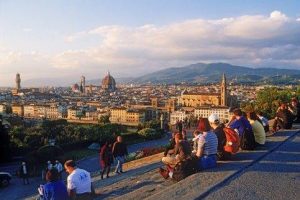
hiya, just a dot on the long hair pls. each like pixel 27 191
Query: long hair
pixel 203 125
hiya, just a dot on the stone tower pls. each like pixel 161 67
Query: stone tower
pixel 223 91
pixel 82 84
pixel 18 81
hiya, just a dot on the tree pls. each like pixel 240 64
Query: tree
pixel 104 119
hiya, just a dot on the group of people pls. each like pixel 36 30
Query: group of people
pixel 109 152
pixel 287 114
pixel 79 185
pixel 215 141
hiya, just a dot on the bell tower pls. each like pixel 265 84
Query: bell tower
pixel 223 91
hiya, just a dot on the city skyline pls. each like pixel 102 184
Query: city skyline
pixel 63 40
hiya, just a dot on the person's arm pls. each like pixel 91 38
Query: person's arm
pixel 71 188
pixel 201 142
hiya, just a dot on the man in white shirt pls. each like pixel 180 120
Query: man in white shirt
pixel 79 182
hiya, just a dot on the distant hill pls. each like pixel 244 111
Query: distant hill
pixel 206 73
pixel 195 73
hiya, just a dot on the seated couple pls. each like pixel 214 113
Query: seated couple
pixel 205 143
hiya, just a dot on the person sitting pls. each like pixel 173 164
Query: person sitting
pixel 217 128
pixel 258 129
pixel 207 146
pixel 264 120
pixel 182 152
pixel 197 135
pixel 79 182
pixel 54 189
pixel 238 122
pixel 171 145
pixel 284 118
pixel 293 107
pixel 184 134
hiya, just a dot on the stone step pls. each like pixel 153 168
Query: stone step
pixel 146 183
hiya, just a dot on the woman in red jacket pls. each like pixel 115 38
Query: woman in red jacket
pixel 106 158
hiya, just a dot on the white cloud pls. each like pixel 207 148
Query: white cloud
pixel 258 40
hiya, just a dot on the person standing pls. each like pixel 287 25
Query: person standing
pixel 106 158
pixel 59 168
pixel 49 165
pixel 79 182
pixel 119 151
pixel 264 120
pixel 24 173
pixel 54 189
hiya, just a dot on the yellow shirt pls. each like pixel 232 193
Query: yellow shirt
pixel 258 131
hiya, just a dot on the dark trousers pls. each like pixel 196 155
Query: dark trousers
pixel 25 180
pixel 278 123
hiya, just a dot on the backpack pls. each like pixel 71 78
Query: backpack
pixel 184 169
pixel 232 141
pixel 247 140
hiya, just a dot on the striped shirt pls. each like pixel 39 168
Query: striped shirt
pixel 209 142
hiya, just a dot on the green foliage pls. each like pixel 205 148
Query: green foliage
pixel 149 133
pixel 154 124
pixel 49 152
pixel 269 99
pixel 104 119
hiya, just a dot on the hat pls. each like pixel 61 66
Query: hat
pixel 213 118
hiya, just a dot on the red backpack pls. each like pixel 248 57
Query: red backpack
pixel 232 141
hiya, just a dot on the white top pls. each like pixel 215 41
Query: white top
pixel 24 169
pixel 59 167
pixel 50 166
pixel 80 181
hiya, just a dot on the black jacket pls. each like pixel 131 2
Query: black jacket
pixel 119 149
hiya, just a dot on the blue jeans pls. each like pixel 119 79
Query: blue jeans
pixel 120 161
pixel 207 162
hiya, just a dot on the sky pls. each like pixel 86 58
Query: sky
pixel 60 40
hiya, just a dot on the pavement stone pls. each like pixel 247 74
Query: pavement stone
pixel 276 176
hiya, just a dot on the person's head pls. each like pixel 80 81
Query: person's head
pixel 294 102
pixel 23 163
pixel 70 166
pixel 252 116
pixel 203 125
pixel 56 161
pixel 214 120
pixel 119 139
pixel 48 162
pixel 52 175
pixel 178 137
pixel 237 113
pixel 283 106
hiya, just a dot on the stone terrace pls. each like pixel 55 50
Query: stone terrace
pixel 142 180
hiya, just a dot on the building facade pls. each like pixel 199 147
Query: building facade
pixel 200 99
pixel 206 111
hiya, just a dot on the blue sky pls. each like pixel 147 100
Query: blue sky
pixel 64 39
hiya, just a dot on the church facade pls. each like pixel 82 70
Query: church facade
pixel 188 99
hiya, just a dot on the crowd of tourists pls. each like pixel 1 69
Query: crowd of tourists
pixel 79 184
pixel 214 140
